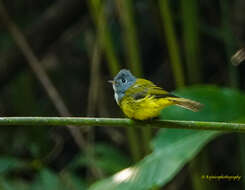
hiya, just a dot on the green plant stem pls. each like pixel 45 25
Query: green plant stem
pixel 172 44
pixel 125 10
pixel 189 10
pixel 133 143
pixel 131 44
pixel 190 28
pixel 229 42
pixel 98 13
pixel 121 122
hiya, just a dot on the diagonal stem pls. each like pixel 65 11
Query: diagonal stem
pixel 40 73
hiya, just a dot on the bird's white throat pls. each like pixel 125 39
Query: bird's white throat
pixel 115 94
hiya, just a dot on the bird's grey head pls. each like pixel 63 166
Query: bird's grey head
pixel 121 82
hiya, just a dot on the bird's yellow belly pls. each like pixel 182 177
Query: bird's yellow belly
pixel 145 108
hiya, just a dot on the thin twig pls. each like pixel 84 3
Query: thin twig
pixel 238 57
pixel 41 34
pixel 39 71
pixel 93 92
pixel 120 122
pixel 93 97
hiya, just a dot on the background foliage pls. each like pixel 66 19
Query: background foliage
pixel 71 48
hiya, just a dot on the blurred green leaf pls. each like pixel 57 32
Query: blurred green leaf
pixel 8 164
pixel 173 148
pixel 106 157
pixel 6 184
pixel 220 104
pixel 110 159
pixel 47 180
pixel 72 182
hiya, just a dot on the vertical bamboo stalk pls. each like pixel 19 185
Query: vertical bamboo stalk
pixel 131 44
pixel 172 44
pixel 229 42
pixel 98 14
pixel 189 10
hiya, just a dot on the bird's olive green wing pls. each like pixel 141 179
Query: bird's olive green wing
pixel 143 88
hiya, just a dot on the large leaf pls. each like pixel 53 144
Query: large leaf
pixel 173 148
pixel 160 166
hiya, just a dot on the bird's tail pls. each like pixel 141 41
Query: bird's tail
pixel 186 103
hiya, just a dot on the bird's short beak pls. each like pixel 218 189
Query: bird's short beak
pixel 111 81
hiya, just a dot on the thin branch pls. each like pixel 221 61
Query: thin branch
pixel 93 92
pixel 46 29
pixel 120 122
pixel 40 73
pixel 93 95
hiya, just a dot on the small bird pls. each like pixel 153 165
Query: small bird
pixel 141 99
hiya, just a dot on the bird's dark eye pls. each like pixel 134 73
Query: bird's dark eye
pixel 123 80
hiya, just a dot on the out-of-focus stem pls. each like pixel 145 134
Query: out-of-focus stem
pixel 191 39
pixel 172 44
pixel 98 13
pixel 131 44
pixel 40 73
pixel 229 42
